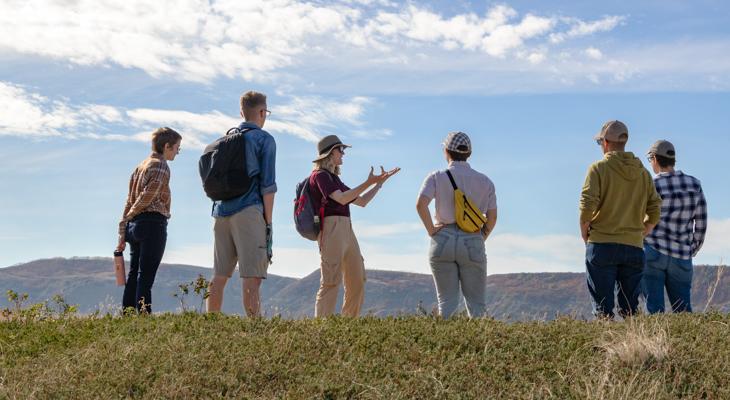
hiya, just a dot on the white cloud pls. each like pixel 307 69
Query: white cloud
pixel 368 230
pixel 536 57
pixel 582 28
pixel 199 40
pixel 508 37
pixel 717 243
pixel 32 115
pixel 594 53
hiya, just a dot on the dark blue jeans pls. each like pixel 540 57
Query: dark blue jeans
pixel 147 236
pixel 662 270
pixel 614 269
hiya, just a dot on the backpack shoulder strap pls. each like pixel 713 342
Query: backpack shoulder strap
pixel 451 178
pixel 311 178
pixel 235 130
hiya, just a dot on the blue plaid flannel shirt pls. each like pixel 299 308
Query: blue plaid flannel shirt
pixel 681 230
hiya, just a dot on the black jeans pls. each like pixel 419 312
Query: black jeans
pixel 147 236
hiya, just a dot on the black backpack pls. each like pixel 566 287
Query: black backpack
pixel 222 166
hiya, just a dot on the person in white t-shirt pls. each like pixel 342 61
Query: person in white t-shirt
pixel 458 259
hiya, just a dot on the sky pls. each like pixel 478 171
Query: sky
pixel 84 83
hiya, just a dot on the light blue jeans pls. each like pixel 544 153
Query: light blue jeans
pixel 459 259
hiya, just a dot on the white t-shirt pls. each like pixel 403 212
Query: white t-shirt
pixel 477 186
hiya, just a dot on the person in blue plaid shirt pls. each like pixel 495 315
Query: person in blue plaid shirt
pixel 678 236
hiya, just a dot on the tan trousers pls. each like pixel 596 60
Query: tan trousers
pixel 341 258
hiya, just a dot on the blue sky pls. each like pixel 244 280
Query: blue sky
pixel 83 85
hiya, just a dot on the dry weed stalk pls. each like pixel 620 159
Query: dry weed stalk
pixel 711 290
pixel 642 344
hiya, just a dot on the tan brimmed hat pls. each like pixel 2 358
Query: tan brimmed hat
pixel 612 131
pixel 662 148
pixel 326 144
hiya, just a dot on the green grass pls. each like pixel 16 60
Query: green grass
pixel 199 356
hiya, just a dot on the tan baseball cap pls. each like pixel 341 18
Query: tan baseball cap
pixel 662 148
pixel 612 131
pixel 326 144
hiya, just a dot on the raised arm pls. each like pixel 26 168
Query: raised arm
pixel 354 193
pixel 364 199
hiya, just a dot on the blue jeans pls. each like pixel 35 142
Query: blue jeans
pixel 147 236
pixel 662 270
pixel 458 259
pixel 614 269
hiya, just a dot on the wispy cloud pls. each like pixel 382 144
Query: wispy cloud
pixel 594 53
pixel 31 115
pixel 585 28
pixel 201 41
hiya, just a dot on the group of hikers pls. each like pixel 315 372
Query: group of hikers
pixel 640 233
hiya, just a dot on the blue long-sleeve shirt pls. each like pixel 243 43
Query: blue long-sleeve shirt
pixel 261 167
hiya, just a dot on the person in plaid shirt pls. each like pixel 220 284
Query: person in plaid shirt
pixel 144 219
pixel 678 236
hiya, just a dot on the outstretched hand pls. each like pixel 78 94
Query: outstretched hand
pixel 383 176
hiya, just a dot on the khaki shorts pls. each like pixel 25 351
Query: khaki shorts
pixel 241 238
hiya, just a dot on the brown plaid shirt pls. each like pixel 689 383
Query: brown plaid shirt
pixel 149 190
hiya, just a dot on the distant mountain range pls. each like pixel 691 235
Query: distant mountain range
pixel 89 283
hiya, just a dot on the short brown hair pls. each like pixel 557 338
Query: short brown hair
pixel 456 156
pixel 664 162
pixel 620 146
pixel 251 100
pixel 163 136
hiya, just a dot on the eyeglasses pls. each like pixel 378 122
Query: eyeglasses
pixel 268 113
pixel 599 141
pixel 650 157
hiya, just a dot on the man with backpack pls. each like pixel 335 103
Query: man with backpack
pixel 466 213
pixel 242 164
pixel 619 206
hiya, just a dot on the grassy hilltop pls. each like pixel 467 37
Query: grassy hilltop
pixel 198 356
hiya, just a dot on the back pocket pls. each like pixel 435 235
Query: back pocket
pixel 438 245
pixel 475 247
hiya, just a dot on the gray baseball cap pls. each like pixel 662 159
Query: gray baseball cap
pixel 458 142
pixel 613 131
pixel 662 148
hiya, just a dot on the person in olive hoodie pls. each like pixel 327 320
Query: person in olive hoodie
pixel 619 206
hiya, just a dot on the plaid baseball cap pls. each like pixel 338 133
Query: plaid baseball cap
pixel 457 142
pixel 612 131
pixel 662 148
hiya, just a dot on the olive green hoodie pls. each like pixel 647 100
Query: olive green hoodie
pixel 617 198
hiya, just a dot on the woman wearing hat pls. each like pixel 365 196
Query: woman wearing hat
pixel 338 247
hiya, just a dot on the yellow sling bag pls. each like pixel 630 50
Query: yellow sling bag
pixel 468 216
